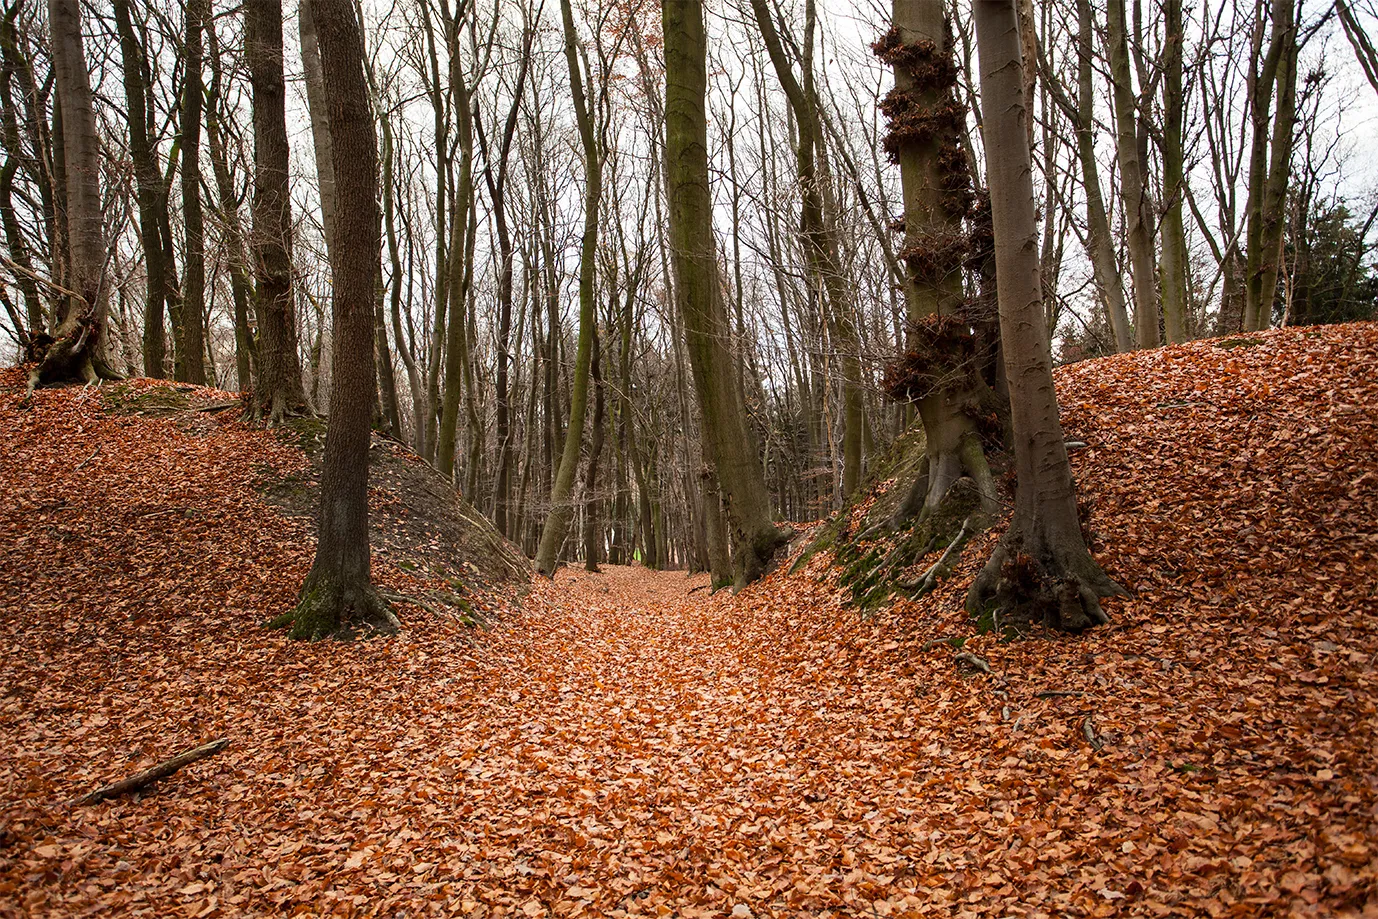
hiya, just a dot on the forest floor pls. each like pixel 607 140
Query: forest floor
pixel 626 744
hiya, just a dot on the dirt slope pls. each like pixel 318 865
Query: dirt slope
pixel 628 745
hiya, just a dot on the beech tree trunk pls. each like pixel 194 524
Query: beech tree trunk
pixel 926 124
pixel 561 508
pixel 279 391
pixel 817 230
pixel 1270 165
pixel 1041 570
pixel 74 354
pixel 1174 253
pixel 1138 208
pixel 728 443
pixel 245 350
pixel 190 358
pixel 1100 242
pixel 149 186
pixel 338 595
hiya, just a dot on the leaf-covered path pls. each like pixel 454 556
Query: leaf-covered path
pixel 627 744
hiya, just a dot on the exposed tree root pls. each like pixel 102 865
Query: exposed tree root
pixel 753 559
pixel 331 609
pixel 1032 581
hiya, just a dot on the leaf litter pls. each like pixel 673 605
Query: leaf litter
pixel 626 744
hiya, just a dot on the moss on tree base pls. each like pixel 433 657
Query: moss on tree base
pixel 331 608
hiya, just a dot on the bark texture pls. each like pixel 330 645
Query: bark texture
pixel 561 507
pixel 279 391
pixel 728 443
pixel 190 360
pixel 338 594
pixel 73 355
pixel 940 367
pixel 1041 570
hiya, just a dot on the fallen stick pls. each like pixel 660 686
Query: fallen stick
pixel 149 776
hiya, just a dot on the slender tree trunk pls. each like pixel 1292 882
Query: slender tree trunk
pixel 459 263
pixel 1174 254
pixel 1138 209
pixel 818 231
pixel 149 189
pixel 561 509
pixel 1100 242
pixel 1041 569
pixel 190 357
pixel 12 64
pixel 245 351
pixel 593 532
pixel 279 390
pixel 338 593
pixel 1270 166
pixel 727 440
pixel 320 123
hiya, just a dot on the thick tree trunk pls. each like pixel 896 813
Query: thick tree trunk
pixel 279 391
pixel 190 358
pixel 338 593
pixel 727 440
pixel 561 508
pixel 926 123
pixel 74 354
pixel 1041 569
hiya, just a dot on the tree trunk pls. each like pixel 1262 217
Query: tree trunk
pixel 1174 255
pixel 727 440
pixel 1270 166
pixel 279 390
pixel 190 357
pixel 320 123
pixel 149 186
pixel 817 228
pixel 338 593
pixel 1138 209
pixel 74 354
pixel 593 534
pixel 561 509
pixel 245 350
pixel 1041 569
pixel 1100 242
pixel 460 266
pixel 940 368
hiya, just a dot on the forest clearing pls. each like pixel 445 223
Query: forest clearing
pixel 625 743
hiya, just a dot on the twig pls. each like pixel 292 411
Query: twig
pixel 89 458
pixel 1088 731
pixel 149 776
pixel 972 661
pixel 1057 693
pixel 930 645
